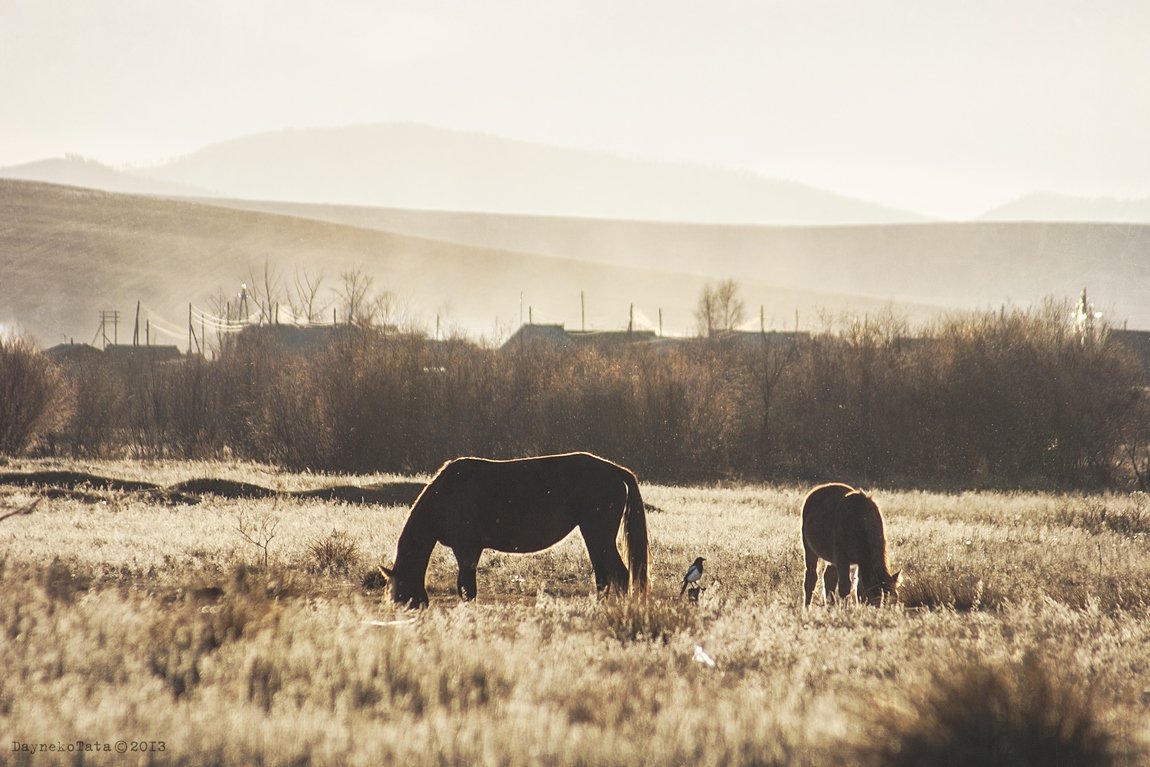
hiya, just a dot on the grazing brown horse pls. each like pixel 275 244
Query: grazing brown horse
pixel 523 505
pixel 844 526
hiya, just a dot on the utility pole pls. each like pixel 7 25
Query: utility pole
pixel 106 316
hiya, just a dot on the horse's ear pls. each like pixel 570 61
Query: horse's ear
pixel 895 579
pixel 385 573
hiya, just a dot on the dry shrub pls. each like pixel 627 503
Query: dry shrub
pixel 63 581
pixel 950 591
pixel 334 554
pixel 1002 399
pixel 1015 715
pixel 292 426
pixel 641 620
pixel 1096 516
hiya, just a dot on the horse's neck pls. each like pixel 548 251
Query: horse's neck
pixel 413 551
pixel 875 564
pixel 873 571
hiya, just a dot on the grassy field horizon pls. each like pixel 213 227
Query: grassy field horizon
pixel 129 621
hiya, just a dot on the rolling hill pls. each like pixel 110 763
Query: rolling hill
pixel 66 254
pixel 974 265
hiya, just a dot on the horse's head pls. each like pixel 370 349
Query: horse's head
pixel 883 591
pixel 409 593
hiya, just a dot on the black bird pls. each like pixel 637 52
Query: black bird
pixel 694 573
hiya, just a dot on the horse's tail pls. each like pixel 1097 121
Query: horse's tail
pixel 635 536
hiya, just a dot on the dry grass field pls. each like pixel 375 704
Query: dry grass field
pixel 158 630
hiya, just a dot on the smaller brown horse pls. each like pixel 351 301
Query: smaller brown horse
pixel 844 526
pixel 522 506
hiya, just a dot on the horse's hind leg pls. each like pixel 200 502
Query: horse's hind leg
pixel 610 571
pixel 468 563
pixel 812 577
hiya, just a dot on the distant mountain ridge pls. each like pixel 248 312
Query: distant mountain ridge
pixel 74 170
pixel 415 166
pixel 1059 207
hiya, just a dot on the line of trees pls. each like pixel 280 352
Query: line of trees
pixel 1006 399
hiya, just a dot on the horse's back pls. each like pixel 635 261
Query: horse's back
pixel 823 502
pixel 570 473
pixel 822 517
pixel 838 517
pixel 823 494
pixel 522 504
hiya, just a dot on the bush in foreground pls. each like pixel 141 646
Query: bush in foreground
pixel 1013 715
pixel 31 391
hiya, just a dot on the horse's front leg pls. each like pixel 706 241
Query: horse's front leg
pixel 846 582
pixel 830 584
pixel 468 560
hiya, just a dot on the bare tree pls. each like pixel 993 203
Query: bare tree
pixel 778 352
pixel 304 302
pixel 355 294
pixel 258 531
pixel 266 291
pixel 385 310
pixel 224 312
pixel 720 308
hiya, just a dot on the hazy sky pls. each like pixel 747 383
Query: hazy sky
pixel 943 107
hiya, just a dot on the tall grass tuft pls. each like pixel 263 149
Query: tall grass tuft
pixel 1008 715
pixel 181 639
pixel 641 620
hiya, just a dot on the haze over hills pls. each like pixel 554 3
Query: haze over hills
pixel 70 253
pixel 415 166
pixel 975 265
